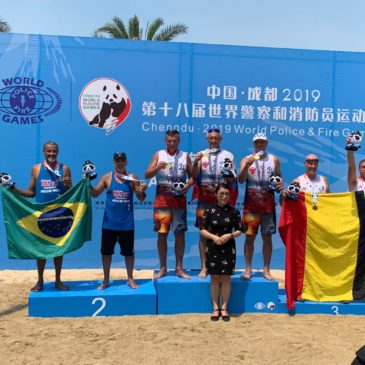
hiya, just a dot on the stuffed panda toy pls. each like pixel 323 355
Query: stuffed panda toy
pixel 354 144
pixel 227 168
pixel 6 180
pixel 293 191
pixel 273 182
pixel 178 187
pixel 88 169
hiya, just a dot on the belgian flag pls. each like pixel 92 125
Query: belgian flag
pixel 46 230
pixel 325 247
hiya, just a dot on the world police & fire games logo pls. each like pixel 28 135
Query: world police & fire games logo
pixel 26 100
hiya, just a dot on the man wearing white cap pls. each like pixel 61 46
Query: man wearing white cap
pixel 259 202
pixel 211 166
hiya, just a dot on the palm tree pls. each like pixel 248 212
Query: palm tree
pixel 4 26
pixel 117 29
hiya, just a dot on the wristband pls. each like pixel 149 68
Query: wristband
pixel 232 237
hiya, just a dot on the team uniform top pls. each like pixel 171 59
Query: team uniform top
pixel 360 184
pixel 258 198
pixel 211 173
pixel 118 214
pixel 315 186
pixel 173 172
pixel 49 184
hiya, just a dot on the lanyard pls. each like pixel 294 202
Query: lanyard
pixel 55 171
pixel 213 165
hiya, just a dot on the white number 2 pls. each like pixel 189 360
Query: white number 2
pixel 103 305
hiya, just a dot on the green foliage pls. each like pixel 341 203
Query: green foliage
pixel 153 31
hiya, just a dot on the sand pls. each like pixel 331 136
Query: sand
pixel 178 339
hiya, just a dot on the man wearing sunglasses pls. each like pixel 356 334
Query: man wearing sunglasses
pixel 259 202
pixel 211 166
pixel 171 168
pixel 310 181
pixel 118 221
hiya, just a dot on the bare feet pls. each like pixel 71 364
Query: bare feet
pixel 160 274
pixel 37 287
pixel 181 274
pixel 246 275
pixel 202 274
pixel 61 286
pixel 267 275
pixel 132 283
pixel 103 285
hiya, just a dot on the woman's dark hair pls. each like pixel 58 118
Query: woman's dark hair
pixel 221 186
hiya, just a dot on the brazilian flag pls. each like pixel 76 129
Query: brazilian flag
pixel 325 247
pixel 46 230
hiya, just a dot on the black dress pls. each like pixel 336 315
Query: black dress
pixel 221 259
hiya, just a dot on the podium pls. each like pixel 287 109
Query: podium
pixel 85 300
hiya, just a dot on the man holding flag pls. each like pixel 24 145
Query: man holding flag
pixel 49 180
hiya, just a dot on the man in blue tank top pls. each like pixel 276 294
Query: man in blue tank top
pixel 49 180
pixel 118 222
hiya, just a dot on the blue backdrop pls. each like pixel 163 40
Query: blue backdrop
pixel 64 89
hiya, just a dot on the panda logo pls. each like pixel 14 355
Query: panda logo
pixel 178 187
pixel 105 104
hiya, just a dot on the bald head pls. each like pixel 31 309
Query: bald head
pixel 312 156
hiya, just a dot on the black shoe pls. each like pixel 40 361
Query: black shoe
pixel 226 318
pixel 215 317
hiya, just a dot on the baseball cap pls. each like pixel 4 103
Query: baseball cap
pixel 121 155
pixel 259 136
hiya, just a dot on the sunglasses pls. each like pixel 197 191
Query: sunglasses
pixel 315 161
pixel 215 130
pixel 224 194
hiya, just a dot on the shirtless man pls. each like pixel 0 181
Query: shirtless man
pixel 118 222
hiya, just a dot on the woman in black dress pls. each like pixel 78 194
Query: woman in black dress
pixel 221 225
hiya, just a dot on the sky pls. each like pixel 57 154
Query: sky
pixel 307 24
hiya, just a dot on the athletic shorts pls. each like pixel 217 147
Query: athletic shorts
pixel 165 219
pixel 252 221
pixel 200 209
pixel 109 239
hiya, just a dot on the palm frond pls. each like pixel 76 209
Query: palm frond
pixel 170 32
pixel 133 28
pixel 114 29
pixel 153 28
pixel 4 26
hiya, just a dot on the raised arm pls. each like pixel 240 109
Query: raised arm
pixel 67 181
pixel 101 185
pixel 154 167
pixel 246 162
pixel 139 188
pixel 351 172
